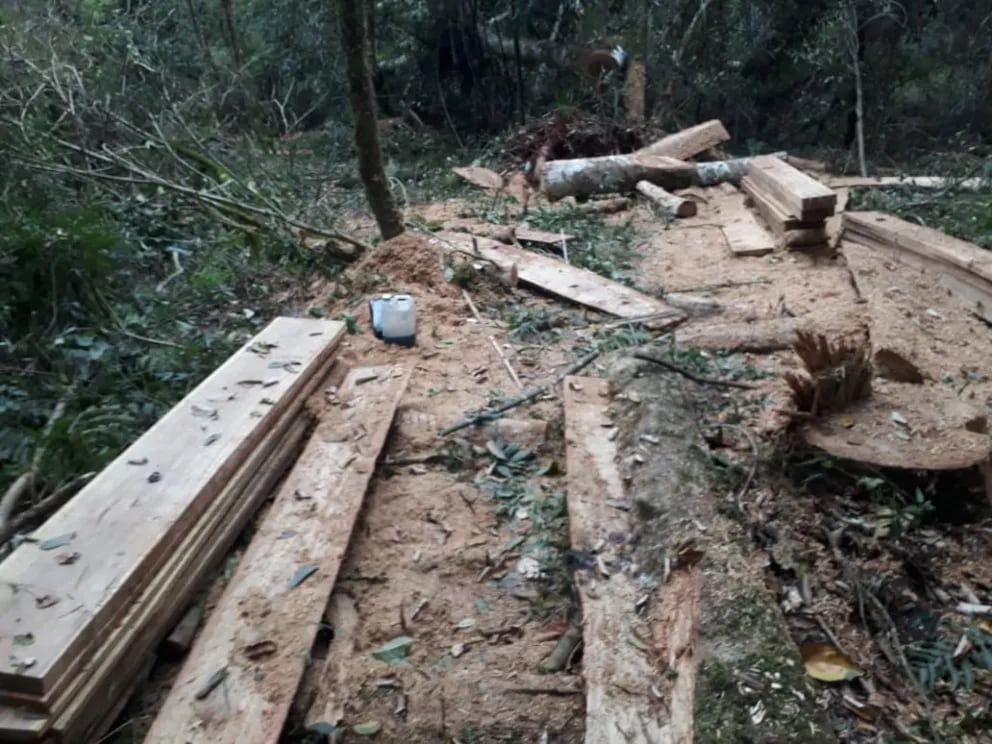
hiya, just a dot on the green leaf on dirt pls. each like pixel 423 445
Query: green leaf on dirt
pixel 370 728
pixel 302 575
pixel 57 542
pixel 395 650
pixel 24 639
pixel 495 450
pixel 323 728
pixel 466 623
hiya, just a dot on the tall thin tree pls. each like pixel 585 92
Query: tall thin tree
pixel 358 55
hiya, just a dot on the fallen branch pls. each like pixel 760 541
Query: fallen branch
pixel 690 375
pixel 26 481
pixel 44 507
pixel 558 658
pixel 506 362
pixel 494 413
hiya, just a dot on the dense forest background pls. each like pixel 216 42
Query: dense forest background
pixel 175 171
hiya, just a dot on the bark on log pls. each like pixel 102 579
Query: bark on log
pixel 670 204
pixel 620 173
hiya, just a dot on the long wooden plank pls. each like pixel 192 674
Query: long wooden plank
pixel 960 267
pixel 273 605
pixel 618 676
pixel 564 280
pixel 745 235
pixel 126 522
pixel 919 182
pixel 92 694
pixel 800 194
pixel 690 142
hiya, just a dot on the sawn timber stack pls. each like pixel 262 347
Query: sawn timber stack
pixel 793 205
pixel 107 576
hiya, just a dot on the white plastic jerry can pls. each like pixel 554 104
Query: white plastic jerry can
pixel 398 320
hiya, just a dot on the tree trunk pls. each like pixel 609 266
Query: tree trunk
pixel 355 40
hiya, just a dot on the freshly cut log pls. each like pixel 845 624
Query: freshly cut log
pixel 960 267
pixel 615 671
pixel 759 337
pixel 564 280
pixel 269 614
pixel 620 173
pixel 612 173
pixel 801 195
pixel 127 522
pixel 670 204
pixel 689 142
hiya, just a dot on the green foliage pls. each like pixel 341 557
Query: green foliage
pixel 955 662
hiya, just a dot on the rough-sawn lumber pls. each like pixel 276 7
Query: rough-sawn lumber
pixel 125 524
pixel 689 142
pixel 558 278
pixel 267 619
pixel 960 267
pixel 801 195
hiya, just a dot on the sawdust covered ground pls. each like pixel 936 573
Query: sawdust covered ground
pixel 429 557
pixel 432 559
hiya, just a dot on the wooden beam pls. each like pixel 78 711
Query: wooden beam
pixel 269 615
pixel 774 213
pixel 801 195
pixel 960 267
pixel 690 142
pixel 563 280
pixel 616 672
pixel 127 522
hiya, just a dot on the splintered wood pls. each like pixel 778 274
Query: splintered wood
pixel 564 280
pixel 258 636
pixel 147 528
pixel 623 682
pixel 959 267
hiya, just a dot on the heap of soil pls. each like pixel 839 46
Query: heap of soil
pixel 407 263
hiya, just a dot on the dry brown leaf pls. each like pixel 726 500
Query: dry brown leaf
pixel 825 663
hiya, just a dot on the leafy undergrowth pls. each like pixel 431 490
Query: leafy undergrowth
pixel 965 213
pixel 112 314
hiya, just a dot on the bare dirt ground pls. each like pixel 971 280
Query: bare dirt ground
pixel 437 554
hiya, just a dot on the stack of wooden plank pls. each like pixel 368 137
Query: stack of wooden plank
pixel 242 675
pixel 962 268
pixel 793 205
pixel 85 602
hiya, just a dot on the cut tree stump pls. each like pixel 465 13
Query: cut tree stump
pixel 670 204
pixel 689 142
pixel 564 280
pixel 618 675
pixel 799 194
pixel 269 614
pixel 959 267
